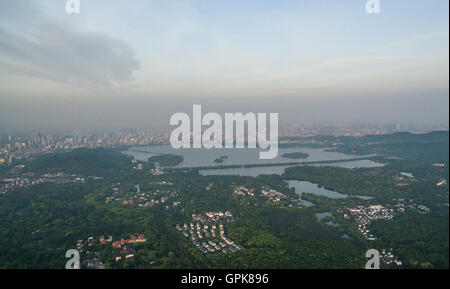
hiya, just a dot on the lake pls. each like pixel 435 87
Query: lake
pixel 205 157
pixel 320 216
pixel 308 187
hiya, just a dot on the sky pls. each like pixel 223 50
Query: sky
pixel 132 64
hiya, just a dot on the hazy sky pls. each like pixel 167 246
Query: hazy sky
pixel 134 63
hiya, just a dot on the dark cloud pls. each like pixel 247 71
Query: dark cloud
pixel 52 50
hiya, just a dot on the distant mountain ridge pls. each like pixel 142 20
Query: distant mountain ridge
pixel 434 136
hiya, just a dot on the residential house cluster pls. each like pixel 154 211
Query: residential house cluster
pixel 402 205
pixel 30 179
pixel 365 214
pixel 133 239
pixel 243 191
pixel 272 196
pixel 144 199
pixel 213 217
pixel 207 236
pixel 123 247
pixel 269 195
pixel 156 172
pixel 137 166
pixel 388 257
pixel 89 256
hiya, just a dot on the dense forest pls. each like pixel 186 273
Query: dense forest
pixel 87 162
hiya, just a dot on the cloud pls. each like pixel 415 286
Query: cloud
pixel 55 51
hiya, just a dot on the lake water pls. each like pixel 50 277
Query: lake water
pixel 320 216
pixel 353 164
pixel 346 236
pixel 308 187
pixel 205 157
pixel 251 172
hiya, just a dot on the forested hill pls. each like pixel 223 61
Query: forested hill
pixel 87 162
pixel 404 137
pixel 430 147
pixel 400 137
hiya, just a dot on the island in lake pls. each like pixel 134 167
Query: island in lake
pixel 295 155
pixel 220 160
pixel 166 160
